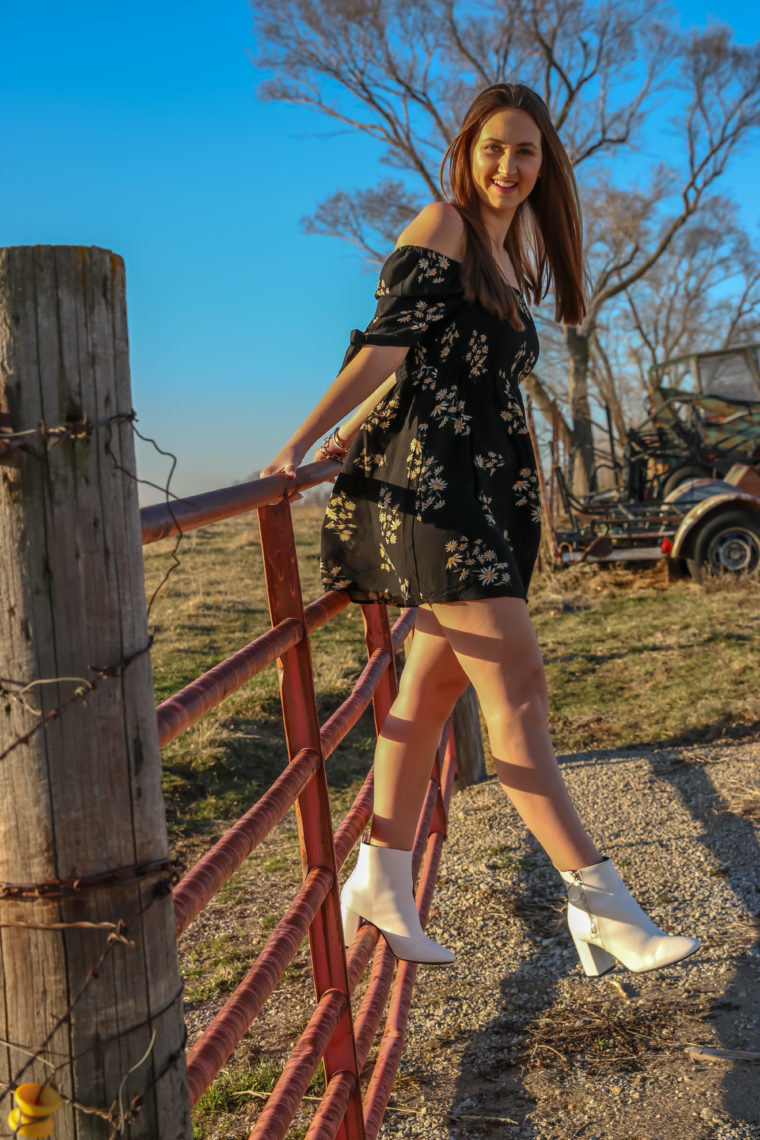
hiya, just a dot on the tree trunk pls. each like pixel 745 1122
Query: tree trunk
pixel 547 406
pixel 471 764
pixel 82 827
pixel 580 409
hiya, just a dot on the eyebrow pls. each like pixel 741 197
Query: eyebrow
pixel 527 142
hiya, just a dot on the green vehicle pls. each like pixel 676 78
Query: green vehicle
pixel 705 417
pixel 688 485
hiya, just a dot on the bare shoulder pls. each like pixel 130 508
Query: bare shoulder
pixel 438 226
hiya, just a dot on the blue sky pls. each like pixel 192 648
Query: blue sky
pixel 137 128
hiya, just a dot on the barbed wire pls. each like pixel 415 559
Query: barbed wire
pixel 115 1115
pixel 83 428
pixel 11 441
pixel 165 490
pixel 84 687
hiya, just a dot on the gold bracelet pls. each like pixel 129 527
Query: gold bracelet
pixel 333 438
pixel 340 442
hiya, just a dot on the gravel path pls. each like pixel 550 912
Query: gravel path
pixel 513 1040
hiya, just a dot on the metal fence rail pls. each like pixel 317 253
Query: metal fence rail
pixel 333 1034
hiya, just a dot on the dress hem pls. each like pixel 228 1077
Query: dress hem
pixel 371 598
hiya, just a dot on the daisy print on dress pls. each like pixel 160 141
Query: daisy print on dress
pixel 426 476
pixel 420 317
pixel 432 266
pixel 477 352
pixel 490 463
pixel 485 502
pixel 449 335
pixel 368 462
pixel 526 489
pixel 390 521
pixel 423 375
pixel 449 408
pixel 474 560
pixel 339 515
pixel 333 576
pixel 522 365
pixel 383 414
pixel 513 414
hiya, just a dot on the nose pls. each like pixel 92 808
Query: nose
pixel 507 163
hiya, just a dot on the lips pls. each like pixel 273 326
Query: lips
pixel 504 185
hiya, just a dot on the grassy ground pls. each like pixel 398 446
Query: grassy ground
pixel 630 657
pixel 212 604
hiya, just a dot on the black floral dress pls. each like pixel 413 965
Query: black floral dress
pixel 438 497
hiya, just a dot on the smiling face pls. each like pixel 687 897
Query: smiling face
pixel 506 161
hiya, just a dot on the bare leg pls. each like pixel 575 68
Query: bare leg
pixel 495 644
pixel 491 642
pixel 431 683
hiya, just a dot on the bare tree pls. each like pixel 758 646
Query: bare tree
pixel 403 72
pixel 703 293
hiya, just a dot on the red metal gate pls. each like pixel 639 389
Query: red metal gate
pixel 334 1034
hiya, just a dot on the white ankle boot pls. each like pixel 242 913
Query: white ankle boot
pixel 380 890
pixel 607 923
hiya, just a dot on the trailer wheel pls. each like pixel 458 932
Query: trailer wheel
pixel 728 543
pixel 681 474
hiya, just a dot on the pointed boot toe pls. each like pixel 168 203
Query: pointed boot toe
pixel 606 923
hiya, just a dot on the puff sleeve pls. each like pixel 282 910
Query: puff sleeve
pixel 418 287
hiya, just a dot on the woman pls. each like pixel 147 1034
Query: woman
pixel 437 506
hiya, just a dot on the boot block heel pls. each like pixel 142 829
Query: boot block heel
pixel 594 960
pixel 351 922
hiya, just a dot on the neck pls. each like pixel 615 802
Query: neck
pixel 496 226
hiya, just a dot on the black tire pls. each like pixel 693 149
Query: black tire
pixel 680 475
pixel 677 569
pixel 726 543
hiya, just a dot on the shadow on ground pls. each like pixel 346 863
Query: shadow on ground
pixel 568 1057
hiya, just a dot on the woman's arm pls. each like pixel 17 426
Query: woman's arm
pixel 356 384
pixel 439 227
pixel 348 429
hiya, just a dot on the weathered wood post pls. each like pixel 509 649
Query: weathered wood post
pixel 82 827
pixel 468 738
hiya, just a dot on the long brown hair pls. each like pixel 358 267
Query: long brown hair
pixel 544 241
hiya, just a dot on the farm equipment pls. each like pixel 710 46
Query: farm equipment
pixel 688 485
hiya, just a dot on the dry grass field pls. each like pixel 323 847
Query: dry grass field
pixel 631 659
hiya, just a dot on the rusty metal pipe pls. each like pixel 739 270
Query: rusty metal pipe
pixel 182 515
pixel 373 1002
pixel 324 608
pixel 300 1067
pixel 332 1109
pixel 184 708
pixel 337 727
pixel 402 627
pixel 354 822
pixel 215 1046
pixel 213 870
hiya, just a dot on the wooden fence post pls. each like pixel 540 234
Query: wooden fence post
pixel 82 826
pixel 468 738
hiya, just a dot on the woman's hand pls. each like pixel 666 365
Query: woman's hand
pixel 330 448
pixel 334 448
pixel 286 461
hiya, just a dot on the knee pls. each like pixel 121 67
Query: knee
pixel 432 702
pixel 525 700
